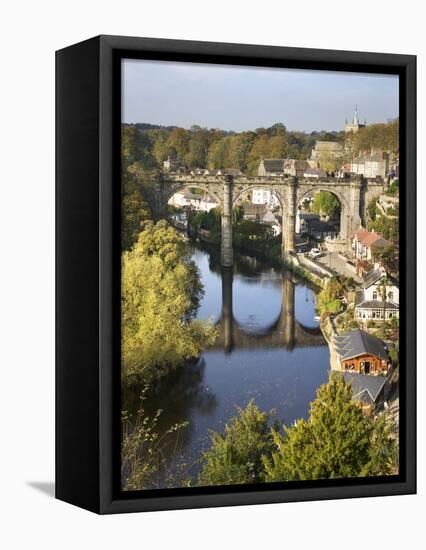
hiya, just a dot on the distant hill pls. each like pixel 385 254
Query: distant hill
pixel 147 126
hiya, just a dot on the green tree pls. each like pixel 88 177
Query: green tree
pixel 372 209
pixel 160 146
pixel 134 210
pixel 198 147
pixel 136 146
pixel 266 146
pixel 161 289
pixel 381 137
pixel 179 142
pixel 325 203
pixel 219 154
pixel 387 227
pixel 237 456
pixel 239 149
pixel 329 298
pixel 337 441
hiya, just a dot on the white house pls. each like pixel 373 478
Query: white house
pixel 372 165
pixel 369 303
pixel 295 167
pixel 264 196
pixel 314 173
pixel 364 241
pixel 203 203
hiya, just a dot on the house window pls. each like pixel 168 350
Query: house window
pixel 390 295
pixel 374 295
pixel 377 314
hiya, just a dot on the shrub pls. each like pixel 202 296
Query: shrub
pixel 236 456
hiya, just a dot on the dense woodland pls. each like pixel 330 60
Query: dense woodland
pixel 215 148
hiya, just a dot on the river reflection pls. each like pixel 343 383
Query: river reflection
pixel 269 349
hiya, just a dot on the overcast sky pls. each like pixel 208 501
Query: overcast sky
pixel 246 98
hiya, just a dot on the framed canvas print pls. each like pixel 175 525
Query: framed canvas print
pixel 236 284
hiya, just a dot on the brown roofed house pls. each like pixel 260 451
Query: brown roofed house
pixel 361 352
pixel 364 241
pixel 271 167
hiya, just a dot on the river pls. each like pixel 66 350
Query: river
pixel 270 349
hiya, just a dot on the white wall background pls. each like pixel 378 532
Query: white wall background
pixel 30 32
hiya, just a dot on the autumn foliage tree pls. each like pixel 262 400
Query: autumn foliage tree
pixel 161 290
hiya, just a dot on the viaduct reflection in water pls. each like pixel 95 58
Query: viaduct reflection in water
pixel 284 332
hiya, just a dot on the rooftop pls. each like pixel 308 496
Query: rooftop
pixel 369 238
pixel 358 342
pixel 273 165
pixel 365 387
pixel 315 172
pixel 360 302
pixel 376 274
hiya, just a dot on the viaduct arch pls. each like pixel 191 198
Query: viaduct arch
pixel 353 195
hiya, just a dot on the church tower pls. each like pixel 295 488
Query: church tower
pixel 355 125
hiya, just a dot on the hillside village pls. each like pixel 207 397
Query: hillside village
pixel 359 301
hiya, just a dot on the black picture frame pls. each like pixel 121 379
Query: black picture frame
pixel 88 273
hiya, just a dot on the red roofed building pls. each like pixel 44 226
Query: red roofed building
pixel 364 241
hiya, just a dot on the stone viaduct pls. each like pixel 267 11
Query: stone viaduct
pixel 352 194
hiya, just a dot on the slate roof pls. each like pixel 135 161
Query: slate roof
pixel 273 165
pixel 380 243
pixel 365 387
pixel 315 172
pixel 375 275
pixel 232 172
pixel 372 277
pixel 376 304
pixel 358 342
